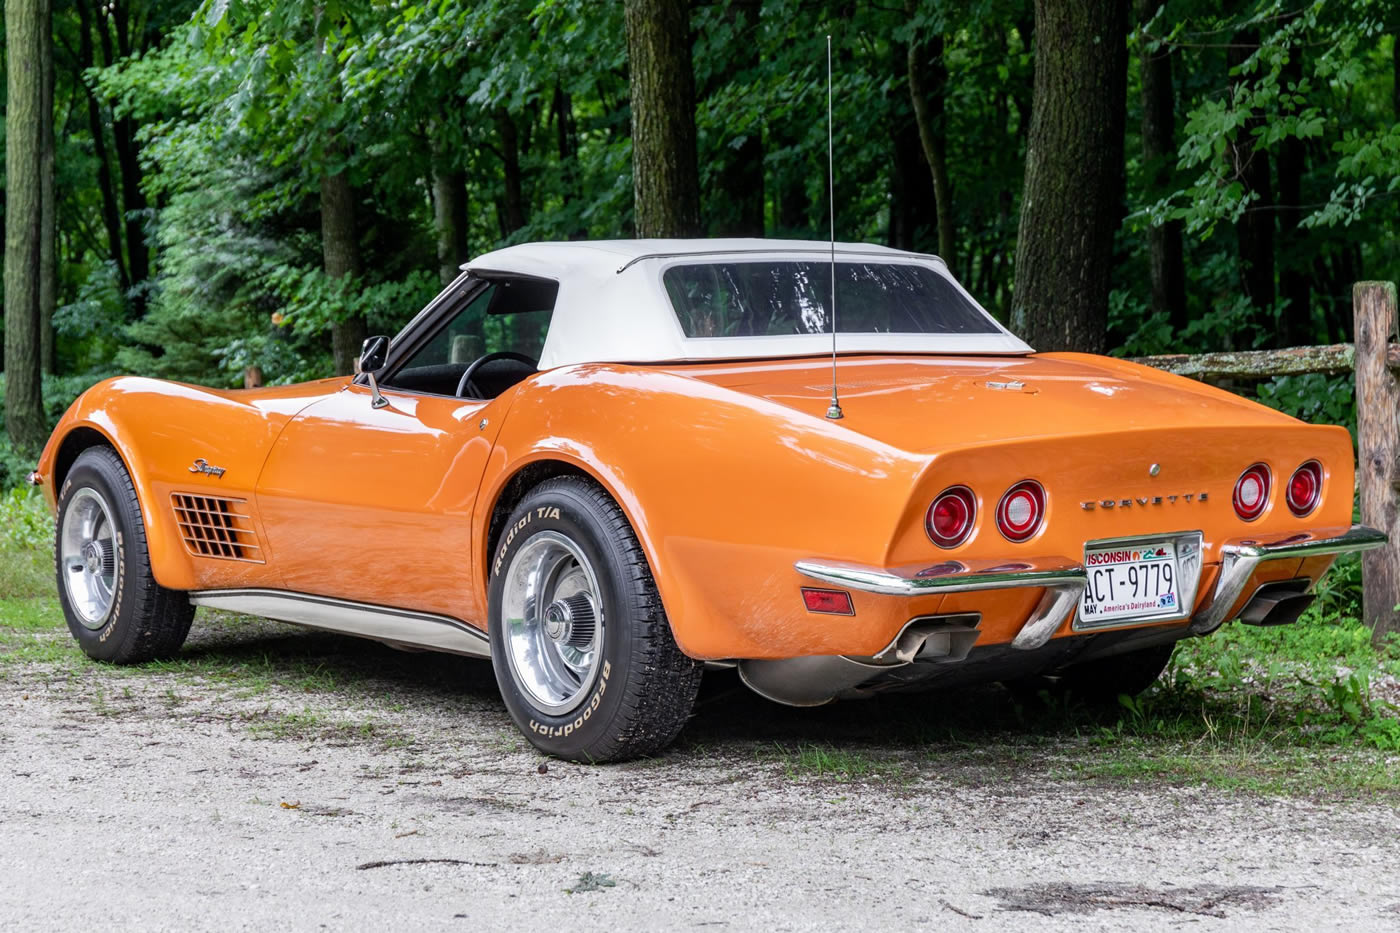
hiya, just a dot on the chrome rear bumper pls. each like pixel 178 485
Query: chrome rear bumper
pixel 1063 579
pixel 1239 559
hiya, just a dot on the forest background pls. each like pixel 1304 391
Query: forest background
pixel 196 188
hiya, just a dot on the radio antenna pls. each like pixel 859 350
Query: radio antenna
pixel 834 411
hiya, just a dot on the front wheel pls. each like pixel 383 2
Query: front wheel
pixel 115 609
pixel 581 647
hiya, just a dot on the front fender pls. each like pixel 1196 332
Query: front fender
pixel 160 429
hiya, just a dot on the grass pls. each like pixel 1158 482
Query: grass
pixel 26 555
pixel 1303 709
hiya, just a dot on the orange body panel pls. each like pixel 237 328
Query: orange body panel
pixel 728 471
pixel 375 505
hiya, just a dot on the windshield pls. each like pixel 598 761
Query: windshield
pixel 770 298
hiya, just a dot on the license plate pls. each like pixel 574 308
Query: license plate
pixel 1125 582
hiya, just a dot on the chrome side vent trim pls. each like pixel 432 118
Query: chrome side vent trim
pixel 214 526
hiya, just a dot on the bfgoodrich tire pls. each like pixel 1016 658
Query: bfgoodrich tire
pixel 114 607
pixel 581 647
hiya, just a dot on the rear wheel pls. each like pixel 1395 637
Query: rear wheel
pixel 115 609
pixel 581 647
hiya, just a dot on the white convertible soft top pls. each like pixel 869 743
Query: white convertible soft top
pixel 612 305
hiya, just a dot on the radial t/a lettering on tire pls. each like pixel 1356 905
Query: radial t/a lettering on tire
pixel 581 647
pixel 114 607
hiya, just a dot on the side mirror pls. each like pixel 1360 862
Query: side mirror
pixel 373 354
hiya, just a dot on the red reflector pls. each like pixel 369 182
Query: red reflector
pixel 836 602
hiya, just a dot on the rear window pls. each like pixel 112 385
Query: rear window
pixel 768 298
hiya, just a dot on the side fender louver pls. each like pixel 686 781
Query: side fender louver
pixel 213 526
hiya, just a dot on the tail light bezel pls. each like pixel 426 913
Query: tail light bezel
pixel 1018 534
pixel 1314 469
pixel 968 498
pixel 1265 477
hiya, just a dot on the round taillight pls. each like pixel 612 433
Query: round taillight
pixel 1021 510
pixel 1252 492
pixel 1305 488
pixel 950 518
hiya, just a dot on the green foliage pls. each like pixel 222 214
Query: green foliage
pixel 26 546
pixel 243 107
pixel 59 393
pixel 1314 397
pixel 25 522
pixel 1339 592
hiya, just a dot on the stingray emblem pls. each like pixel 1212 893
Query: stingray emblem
pixel 204 466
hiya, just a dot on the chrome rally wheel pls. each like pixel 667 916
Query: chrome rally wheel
pixel 553 620
pixel 87 557
pixel 581 646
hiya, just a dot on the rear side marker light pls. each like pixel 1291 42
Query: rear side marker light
pixel 1021 510
pixel 1305 488
pixel 1252 492
pixel 951 516
pixel 833 602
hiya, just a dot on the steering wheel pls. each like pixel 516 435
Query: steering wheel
pixel 466 381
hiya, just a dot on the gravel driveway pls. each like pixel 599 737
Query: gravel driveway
pixel 394 793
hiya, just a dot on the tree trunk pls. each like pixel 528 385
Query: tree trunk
pixel 913 207
pixel 928 88
pixel 27 30
pixel 566 143
pixel 48 238
pixel 138 254
pixel 736 207
pixel 449 213
pixel 450 217
pixel 513 215
pixel 111 210
pixel 1255 229
pixel 1073 195
pixel 1295 279
pixel 1164 242
pixel 665 174
pixel 340 250
pixel 793 204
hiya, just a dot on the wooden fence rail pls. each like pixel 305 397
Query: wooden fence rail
pixel 1375 360
pixel 1332 359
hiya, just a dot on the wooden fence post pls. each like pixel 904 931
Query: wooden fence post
pixel 1378 455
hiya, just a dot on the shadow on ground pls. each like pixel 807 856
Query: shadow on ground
pixel 728 716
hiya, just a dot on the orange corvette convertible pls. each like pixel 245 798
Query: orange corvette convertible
pixel 608 465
